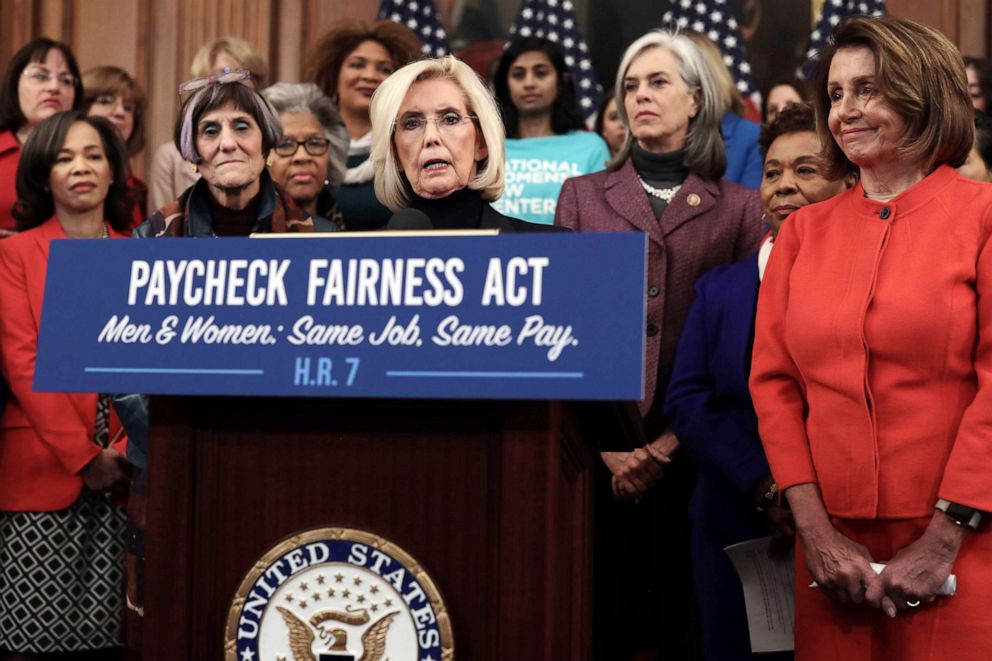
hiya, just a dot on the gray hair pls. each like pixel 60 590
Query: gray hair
pixel 390 185
pixel 217 95
pixel 301 98
pixel 705 154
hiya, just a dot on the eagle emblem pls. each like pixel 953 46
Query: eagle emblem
pixel 302 636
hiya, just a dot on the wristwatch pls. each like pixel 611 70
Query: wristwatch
pixel 961 514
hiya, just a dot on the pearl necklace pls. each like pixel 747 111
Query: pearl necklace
pixel 665 194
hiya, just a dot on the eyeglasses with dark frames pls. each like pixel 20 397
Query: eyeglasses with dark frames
pixel 313 146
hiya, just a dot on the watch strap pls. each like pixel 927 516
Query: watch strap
pixel 962 515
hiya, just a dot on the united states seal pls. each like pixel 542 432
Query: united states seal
pixel 337 594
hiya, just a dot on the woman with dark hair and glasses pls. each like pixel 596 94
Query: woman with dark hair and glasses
pixel 309 161
pixel 61 454
pixel 41 79
pixel 546 139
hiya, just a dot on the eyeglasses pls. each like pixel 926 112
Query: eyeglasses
pixel 226 76
pixel 44 76
pixel 313 146
pixel 414 125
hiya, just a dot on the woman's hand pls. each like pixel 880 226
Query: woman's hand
pixel 634 473
pixel 622 491
pixel 108 473
pixel 840 566
pixel 917 571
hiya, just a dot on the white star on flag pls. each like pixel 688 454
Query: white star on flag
pixel 707 17
pixel 557 20
pixel 831 14
pixel 419 14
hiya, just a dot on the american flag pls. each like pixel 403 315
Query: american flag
pixel 832 13
pixel 555 21
pixel 715 19
pixel 421 17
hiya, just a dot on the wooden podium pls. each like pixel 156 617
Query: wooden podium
pixel 494 499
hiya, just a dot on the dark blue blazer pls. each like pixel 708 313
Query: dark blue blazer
pixel 708 404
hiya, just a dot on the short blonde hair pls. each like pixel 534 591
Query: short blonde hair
pixel 239 50
pixel 391 186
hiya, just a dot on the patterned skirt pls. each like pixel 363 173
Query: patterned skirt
pixel 62 577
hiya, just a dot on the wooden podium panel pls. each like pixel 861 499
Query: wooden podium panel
pixel 493 499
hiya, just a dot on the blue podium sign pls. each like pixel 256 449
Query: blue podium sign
pixel 537 316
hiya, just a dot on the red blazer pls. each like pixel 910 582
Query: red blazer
pixel 872 365
pixel 45 438
pixel 707 223
pixel 10 156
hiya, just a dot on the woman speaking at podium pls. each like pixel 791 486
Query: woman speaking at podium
pixel 438 147
pixel 61 461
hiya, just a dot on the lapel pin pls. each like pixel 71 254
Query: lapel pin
pixel 693 200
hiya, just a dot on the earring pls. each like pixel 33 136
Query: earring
pixel 268 161
pixel 327 182
pixel 194 169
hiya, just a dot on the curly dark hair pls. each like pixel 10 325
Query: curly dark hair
pixel 35 204
pixel 565 115
pixel 11 117
pixel 794 118
pixel 331 50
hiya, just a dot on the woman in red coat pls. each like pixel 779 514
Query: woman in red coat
pixel 873 347
pixel 61 454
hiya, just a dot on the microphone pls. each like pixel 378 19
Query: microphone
pixel 409 219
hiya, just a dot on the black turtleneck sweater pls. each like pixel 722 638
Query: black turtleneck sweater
pixel 662 170
pixel 459 211
pixel 233 222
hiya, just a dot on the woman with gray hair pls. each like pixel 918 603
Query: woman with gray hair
pixel 227 129
pixel 310 160
pixel 438 146
pixel 666 181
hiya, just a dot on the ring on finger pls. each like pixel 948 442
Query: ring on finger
pixel 913 604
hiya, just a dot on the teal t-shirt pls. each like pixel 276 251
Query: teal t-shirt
pixel 536 168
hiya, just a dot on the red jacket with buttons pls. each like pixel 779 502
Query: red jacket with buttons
pixel 872 365
pixel 45 438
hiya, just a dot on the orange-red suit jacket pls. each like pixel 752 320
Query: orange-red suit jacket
pixel 872 365
pixel 45 438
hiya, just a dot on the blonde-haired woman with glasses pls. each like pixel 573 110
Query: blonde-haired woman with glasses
pixel 438 146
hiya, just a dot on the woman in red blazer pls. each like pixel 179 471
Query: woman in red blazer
pixel 665 182
pixel 872 358
pixel 61 454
